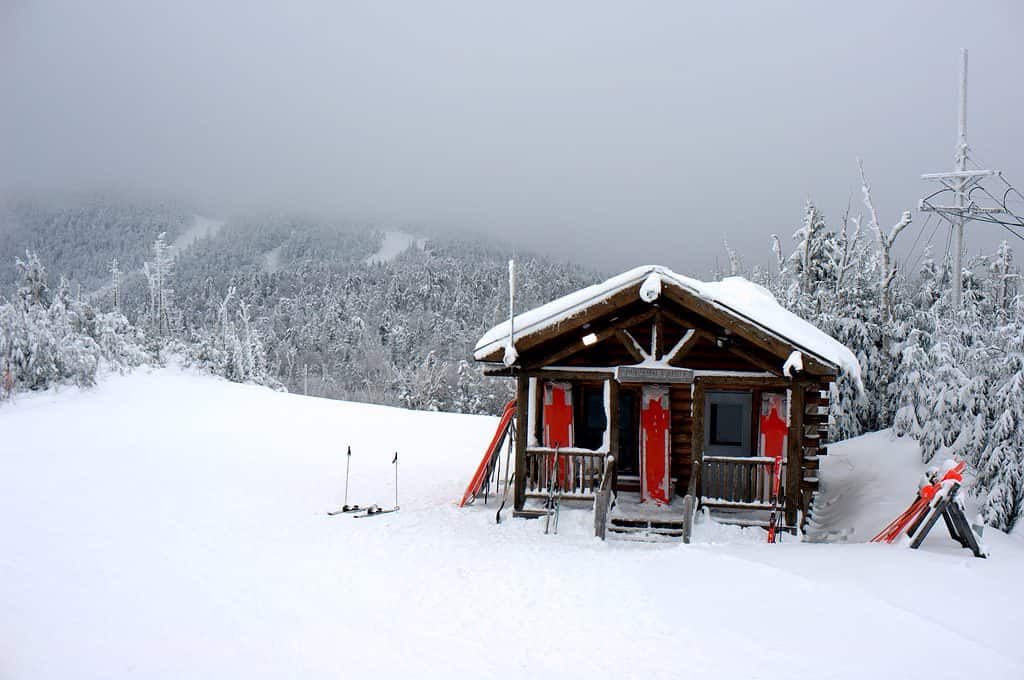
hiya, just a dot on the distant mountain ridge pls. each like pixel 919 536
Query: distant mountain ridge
pixel 337 310
pixel 78 237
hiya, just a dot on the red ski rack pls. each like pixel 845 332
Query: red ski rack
pixel 919 507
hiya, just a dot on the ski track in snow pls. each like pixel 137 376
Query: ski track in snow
pixel 394 244
pixel 272 260
pixel 201 227
pixel 167 524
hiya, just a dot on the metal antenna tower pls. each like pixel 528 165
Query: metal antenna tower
pixel 960 182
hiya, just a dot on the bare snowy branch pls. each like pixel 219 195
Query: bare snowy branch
pixel 884 242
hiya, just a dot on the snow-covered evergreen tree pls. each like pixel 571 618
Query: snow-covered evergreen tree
pixel 46 339
pixel 161 295
pixel 949 379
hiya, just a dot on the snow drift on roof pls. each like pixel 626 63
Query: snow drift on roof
pixel 737 296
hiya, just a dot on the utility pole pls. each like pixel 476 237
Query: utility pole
pixel 959 182
pixel 961 166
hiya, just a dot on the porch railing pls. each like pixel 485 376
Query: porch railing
pixel 578 472
pixel 740 482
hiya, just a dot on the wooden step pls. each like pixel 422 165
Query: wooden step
pixel 645 534
pixel 627 484
pixel 529 513
pixel 657 523
pixel 738 505
pixel 566 496
pixel 645 528
pixel 748 522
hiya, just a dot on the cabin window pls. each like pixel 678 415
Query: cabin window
pixel 592 422
pixel 727 423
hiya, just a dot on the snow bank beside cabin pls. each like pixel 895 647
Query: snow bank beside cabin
pixel 865 483
pixel 735 295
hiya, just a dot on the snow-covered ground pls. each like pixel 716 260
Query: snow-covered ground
pixel 170 525
pixel 394 244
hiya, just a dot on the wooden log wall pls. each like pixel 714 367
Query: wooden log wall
pixel 815 438
pixel 682 435
pixel 794 448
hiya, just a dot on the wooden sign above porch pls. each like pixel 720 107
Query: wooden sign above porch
pixel 653 374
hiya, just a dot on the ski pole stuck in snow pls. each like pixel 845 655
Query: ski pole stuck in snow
pixel 345 507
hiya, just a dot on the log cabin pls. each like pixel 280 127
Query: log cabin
pixel 654 395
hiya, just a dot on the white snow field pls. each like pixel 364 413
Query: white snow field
pixel 172 525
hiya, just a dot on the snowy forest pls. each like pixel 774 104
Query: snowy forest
pixel 952 379
pixel 300 304
pixel 296 303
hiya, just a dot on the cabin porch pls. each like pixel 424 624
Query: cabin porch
pixel 714 415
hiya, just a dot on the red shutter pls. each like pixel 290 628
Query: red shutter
pixel 774 427
pixel 558 424
pixel 557 414
pixel 654 445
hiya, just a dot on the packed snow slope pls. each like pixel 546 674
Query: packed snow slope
pixel 169 525
pixel 201 227
pixel 394 244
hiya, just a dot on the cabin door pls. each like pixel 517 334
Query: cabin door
pixel 654 444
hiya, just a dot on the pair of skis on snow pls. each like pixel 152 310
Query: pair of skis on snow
pixel 369 510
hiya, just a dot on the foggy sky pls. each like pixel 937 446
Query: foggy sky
pixel 612 134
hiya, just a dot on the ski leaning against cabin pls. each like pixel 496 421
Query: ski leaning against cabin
pixel 654 395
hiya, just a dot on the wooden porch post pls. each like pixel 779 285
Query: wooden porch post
pixel 794 451
pixel 697 450
pixel 522 425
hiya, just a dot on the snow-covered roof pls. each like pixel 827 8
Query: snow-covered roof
pixel 735 295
